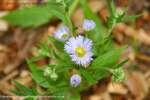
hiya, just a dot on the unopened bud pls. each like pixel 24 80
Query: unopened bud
pixel 54 76
pixel 47 71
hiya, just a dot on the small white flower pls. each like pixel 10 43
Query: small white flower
pixel 62 33
pixel 75 80
pixel 79 49
pixel 88 24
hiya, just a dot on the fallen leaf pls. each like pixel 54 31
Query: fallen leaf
pixel 137 84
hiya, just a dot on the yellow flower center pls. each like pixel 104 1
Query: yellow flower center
pixel 64 36
pixel 80 51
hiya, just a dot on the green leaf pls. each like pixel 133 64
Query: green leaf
pixel 23 91
pixel 100 74
pixel 88 76
pixel 72 5
pixel 108 59
pixel 58 44
pixel 60 54
pixel 58 11
pixel 37 15
pixel 36 58
pixel 112 7
pixel 29 17
pixel 30 98
pixel 16 92
pixel 118 75
pixel 111 21
pixel 105 46
pixel 38 75
pixel 63 67
pixel 45 49
pixel 76 96
pixel 26 90
pixel 121 63
pixel 130 18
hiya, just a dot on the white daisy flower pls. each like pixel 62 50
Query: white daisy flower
pixel 88 24
pixel 80 50
pixel 62 33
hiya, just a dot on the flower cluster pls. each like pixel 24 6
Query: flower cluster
pixel 79 48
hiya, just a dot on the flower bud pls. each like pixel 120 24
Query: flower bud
pixel 54 76
pixel 119 12
pixel 88 25
pixel 75 80
pixel 47 71
pixel 62 33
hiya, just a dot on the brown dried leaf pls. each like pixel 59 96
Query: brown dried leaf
pixel 117 88
pixel 137 84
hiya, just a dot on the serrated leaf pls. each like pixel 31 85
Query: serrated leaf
pixel 29 17
pixel 108 59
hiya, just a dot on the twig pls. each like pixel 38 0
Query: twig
pixel 10 76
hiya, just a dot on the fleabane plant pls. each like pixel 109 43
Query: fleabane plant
pixel 79 59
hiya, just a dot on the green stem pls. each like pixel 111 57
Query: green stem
pixel 69 14
pixel 73 7
pixel 69 23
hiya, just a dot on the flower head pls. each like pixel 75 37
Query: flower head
pixel 79 49
pixel 75 80
pixel 88 24
pixel 62 33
